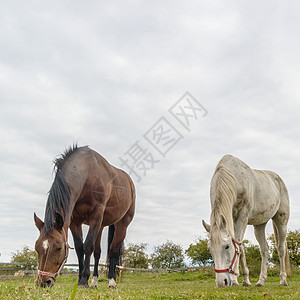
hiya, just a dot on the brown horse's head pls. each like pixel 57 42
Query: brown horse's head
pixel 52 249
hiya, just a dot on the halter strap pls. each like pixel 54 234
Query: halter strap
pixel 54 275
pixel 230 269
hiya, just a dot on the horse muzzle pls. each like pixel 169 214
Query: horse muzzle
pixel 223 280
pixel 45 282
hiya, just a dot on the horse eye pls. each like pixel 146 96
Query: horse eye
pixel 227 247
pixel 58 249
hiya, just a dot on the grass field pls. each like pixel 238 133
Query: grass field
pixel 188 285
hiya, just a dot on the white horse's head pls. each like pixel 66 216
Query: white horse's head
pixel 224 250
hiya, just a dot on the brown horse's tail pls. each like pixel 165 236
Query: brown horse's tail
pixel 286 257
pixel 113 259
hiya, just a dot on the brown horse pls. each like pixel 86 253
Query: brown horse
pixel 86 190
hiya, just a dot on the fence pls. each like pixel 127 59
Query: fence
pixel 8 270
pixel 15 270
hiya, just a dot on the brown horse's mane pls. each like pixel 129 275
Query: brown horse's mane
pixel 59 194
pixel 60 161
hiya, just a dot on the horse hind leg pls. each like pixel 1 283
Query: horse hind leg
pixel 115 252
pixel 280 232
pixel 260 235
pixel 116 236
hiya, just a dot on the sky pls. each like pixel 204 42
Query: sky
pixel 107 74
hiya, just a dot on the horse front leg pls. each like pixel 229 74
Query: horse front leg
pixel 97 254
pixel 244 267
pixel 88 249
pixel 78 243
pixel 240 226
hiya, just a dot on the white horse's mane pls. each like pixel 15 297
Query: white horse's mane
pixel 224 200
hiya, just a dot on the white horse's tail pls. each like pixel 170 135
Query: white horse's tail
pixel 286 257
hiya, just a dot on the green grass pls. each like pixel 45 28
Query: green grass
pixel 188 285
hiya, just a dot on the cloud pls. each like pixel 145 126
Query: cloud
pixel 102 74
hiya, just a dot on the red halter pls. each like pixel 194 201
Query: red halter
pixel 230 269
pixel 54 275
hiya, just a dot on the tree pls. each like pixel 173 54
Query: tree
pixel 136 256
pixel 253 257
pixel 199 253
pixel 168 255
pixel 26 255
pixel 293 244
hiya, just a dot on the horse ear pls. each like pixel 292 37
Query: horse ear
pixel 206 226
pixel 38 222
pixel 59 221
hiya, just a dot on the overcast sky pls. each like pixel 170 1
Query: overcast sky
pixel 104 74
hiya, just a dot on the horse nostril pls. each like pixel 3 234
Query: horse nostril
pixel 225 281
pixel 48 282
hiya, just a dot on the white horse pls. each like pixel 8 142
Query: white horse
pixel 240 196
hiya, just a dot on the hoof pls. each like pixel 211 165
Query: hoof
pixel 94 283
pixel 112 283
pixel 260 283
pixel 235 283
pixel 246 283
pixel 83 283
pixel 283 283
